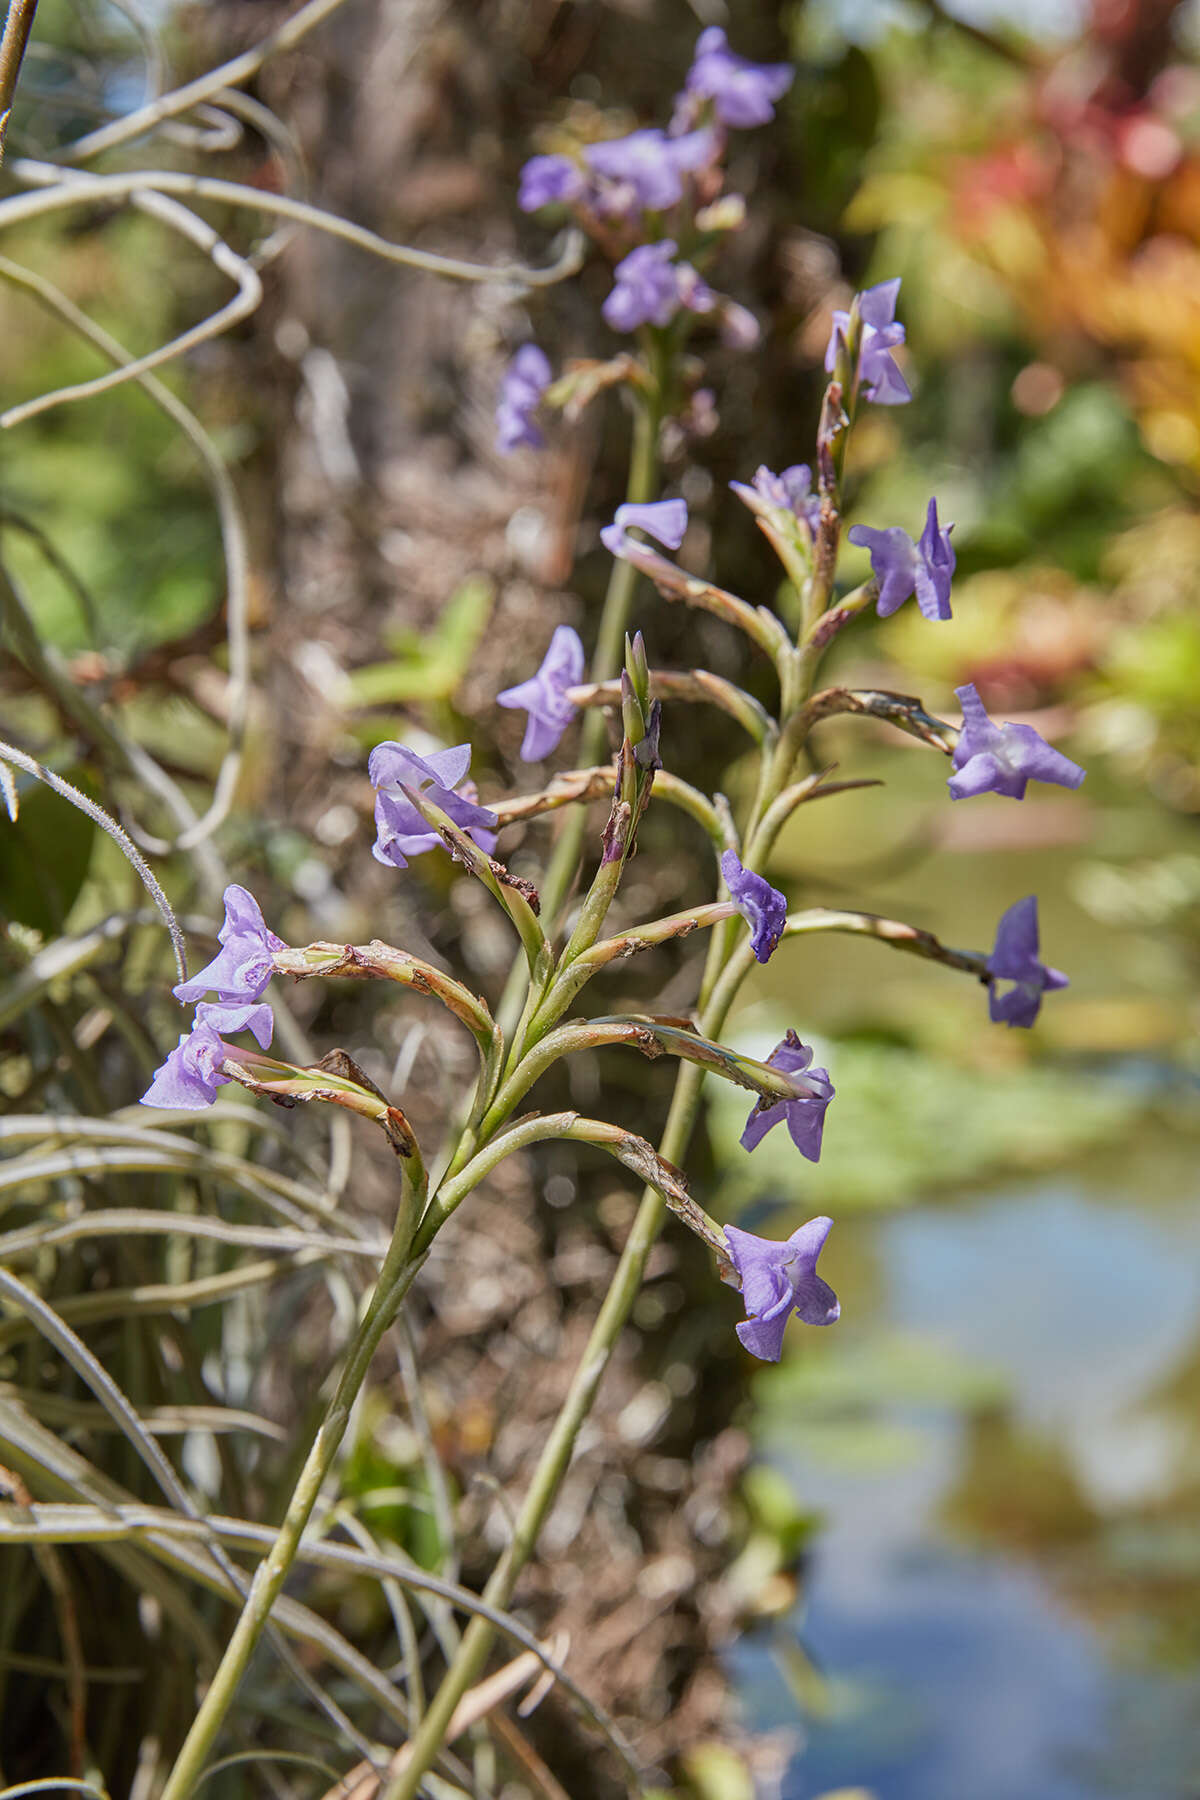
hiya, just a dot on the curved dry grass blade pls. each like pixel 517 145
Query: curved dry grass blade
pixel 236 554
pixel 151 1564
pixel 10 754
pixel 133 1221
pixel 19 207
pixel 181 100
pixel 159 1421
pixel 53 1523
pixel 245 301
pixel 55 1784
pixel 292 1757
pixel 154 1152
pixel 158 1297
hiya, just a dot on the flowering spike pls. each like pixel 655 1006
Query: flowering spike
pixel 743 93
pixel 763 907
pixel 873 313
pixel 544 695
pixel 243 967
pixel 805 1112
pixel 779 1280
pixel 649 288
pixel 644 171
pixel 194 1070
pixel 1002 759
pixel 400 830
pixel 789 493
pixel 665 520
pixel 525 381
pixel 1015 958
pixel 549 181
pixel 902 567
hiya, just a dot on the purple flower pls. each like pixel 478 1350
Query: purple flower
pixel 1002 759
pixel 644 171
pixel 193 1071
pixel 743 93
pixel 525 381
pixel 805 1114
pixel 665 520
pixel 544 695
pixel 790 492
pixel 649 288
pixel 549 180
pixel 903 567
pixel 763 907
pixel 779 1280
pixel 879 379
pixel 740 330
pixel 401 831
pixel 242 967
pixel 1015 959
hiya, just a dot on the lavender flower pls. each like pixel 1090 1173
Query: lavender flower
pixel 1002 759
pixel 903 567
pixel 242 968
pixel 401 831
pixel 743 93
pixel 544 695
pixel 649 288
pixel 779 1280
pixel 525 381
pixel 879 379
pixel 789 492
pixel 805 1114
pixel 193 1071
pixel 644 171
pixel 665 520
pixel 549 181
pixel 1015 959
pixel 763 907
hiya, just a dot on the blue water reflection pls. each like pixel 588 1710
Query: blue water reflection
pixel 982 1664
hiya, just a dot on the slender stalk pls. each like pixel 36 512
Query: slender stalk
pixel 17 26
pixel 395 1278
pixel 606 661
pixel 724 972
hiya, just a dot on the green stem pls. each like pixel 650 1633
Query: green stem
pixel 395 1279
pixel 724 972
pixel 607 660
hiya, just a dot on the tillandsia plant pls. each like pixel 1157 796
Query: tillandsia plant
pixel 654 205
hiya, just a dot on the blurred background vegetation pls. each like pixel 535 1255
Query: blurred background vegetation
pixel 953 1546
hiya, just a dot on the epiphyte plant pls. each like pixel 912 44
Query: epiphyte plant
pixel 654 205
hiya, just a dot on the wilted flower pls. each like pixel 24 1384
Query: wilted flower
pixel 763 907
pixel 646 169
pixel 193 1071
pixel 743 93
pixel 401 831
pixel 1015 959
pixel 902 567
pixel 665 520
pixel 649 288
pixel 779 1280
pixel 805 1114
pixel 242 967
pixel 879 378
pixel 544 695
pixel 525 381
pixel 549 180
pixel 790 492
pixel 1002 759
